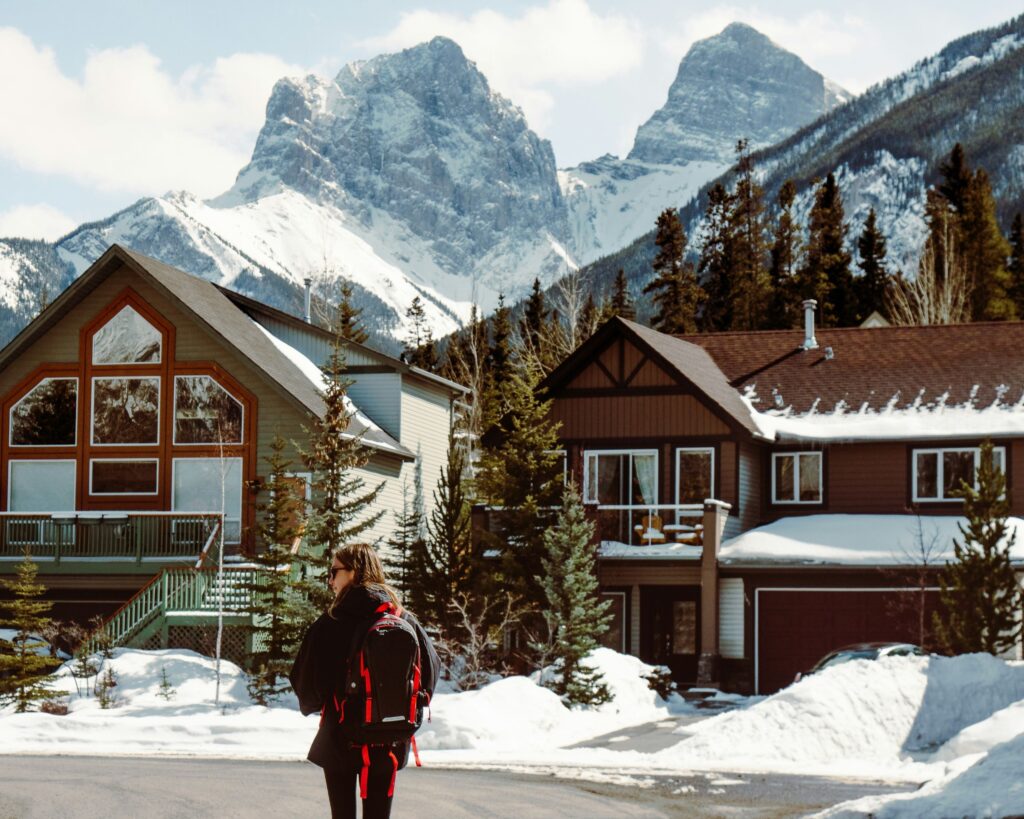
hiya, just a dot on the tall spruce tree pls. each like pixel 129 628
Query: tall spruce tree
pixel 350 325
pixel 575 615
pixel 408 540
pixel 783 310
pixel 750 283
pixel 620 303
pixel 533 327
pixel 420 349
pixel 873 286
pixel 985 251
pixel 1016 266
pixel 676 292
pixel 825 274
pixel 24 671
pixel 715 262
pixel 980 595
pixel 956 179
pixel 499 366
pixel 280 610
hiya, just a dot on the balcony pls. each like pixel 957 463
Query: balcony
pixel 108 542
pixel 648 524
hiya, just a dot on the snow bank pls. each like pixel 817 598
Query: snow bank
pixel 878 718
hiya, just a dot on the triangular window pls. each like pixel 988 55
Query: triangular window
pixel 126 339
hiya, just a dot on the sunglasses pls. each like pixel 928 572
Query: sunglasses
pixel 336 569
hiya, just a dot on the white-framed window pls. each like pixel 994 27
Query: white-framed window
pixel 796 477
pixel 123 476
pixel 205 412
pixel 41 485
pixel 47 415
pixel 615 637
pixel 695 474
pixel 937 472
pixel 621 477
pixel 210 485
pixel 126 410
pixel 127 339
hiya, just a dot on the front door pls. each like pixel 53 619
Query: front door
pixel 670 621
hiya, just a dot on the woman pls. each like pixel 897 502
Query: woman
pixel 319 675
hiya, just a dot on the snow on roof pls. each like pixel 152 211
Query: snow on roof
pixel 371 433
pixel 853 540
pixel 613 550
pixel 921 420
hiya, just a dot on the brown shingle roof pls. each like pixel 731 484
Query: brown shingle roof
pixel 871 366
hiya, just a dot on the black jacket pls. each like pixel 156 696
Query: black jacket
pixel 320 666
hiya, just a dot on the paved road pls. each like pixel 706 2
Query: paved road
pixel 50 787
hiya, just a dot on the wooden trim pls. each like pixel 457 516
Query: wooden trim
pixel 640 365
pixel 600 365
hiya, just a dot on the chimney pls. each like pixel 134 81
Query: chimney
pixel 309 300
pixel 810 342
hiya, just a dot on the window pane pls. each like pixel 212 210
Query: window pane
pixel 610 474
pixel 927 475
pixel 590 492
pixel 957 466
pixel 810 477
pixel 126 339
pixel 42 486
pixel 46 415
pixel 645 479
pixel 694 477
pixel 200 484
pixel 125 410
pixel 684 627
pixel 784 478
pixel 615 637
pixel 204 412
pixel 124 477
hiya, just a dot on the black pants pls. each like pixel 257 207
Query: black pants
pixel 343 784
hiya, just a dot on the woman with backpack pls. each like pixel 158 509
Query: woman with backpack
pixel 359 663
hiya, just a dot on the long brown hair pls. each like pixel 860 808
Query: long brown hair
pixel 365 562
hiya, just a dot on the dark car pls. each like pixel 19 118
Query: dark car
pixel 863 651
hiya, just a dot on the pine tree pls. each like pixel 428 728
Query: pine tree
pixel 715 262
pixel 590 318
pixel 621 303
pixel 676 292
pixel 24 671
pixel 956 179
pixel 533 328
pixel 280 610
pixel 1016 265
pixel 783 310
pixel 499 366
pixel 979 591
pixel 750 284
pixel 350 326
pixel 575 615
pixel 420 349
pixel 407 542
pixel 825 274
pixel 985 251
pixel 873 286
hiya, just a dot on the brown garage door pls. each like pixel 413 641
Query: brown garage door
pixel 797 627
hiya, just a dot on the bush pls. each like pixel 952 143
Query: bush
pixel 57 707
pixel 660 680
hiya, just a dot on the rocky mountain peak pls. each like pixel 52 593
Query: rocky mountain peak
pixel 736 84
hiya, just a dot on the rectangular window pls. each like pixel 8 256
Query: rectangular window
pixel 621 477
pixel 938 473
pixel 695 475
pixel 125 410
pixel 127 477
pixel 41 486
pixel 210 485
pixel 796 477
pixel 615 637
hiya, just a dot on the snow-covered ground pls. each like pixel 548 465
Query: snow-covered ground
pixel 954 724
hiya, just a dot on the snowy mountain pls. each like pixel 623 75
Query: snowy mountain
pixel 736 84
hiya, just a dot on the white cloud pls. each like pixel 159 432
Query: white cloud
pixel 563 44
pixel 35 222
pixel 127 125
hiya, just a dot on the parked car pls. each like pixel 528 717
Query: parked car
pixel 862 651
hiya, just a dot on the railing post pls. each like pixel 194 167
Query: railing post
pixel 715 515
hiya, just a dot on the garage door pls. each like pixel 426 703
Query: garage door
pixel 796 627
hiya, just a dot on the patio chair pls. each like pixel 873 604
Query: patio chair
pixel 649 530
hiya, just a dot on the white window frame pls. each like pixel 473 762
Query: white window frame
pixel 96 332
pixel 241 510
pixel 939 469
pixel 92 407
pixel 174 411
pixel 594 453
pixel 796 478
pixel 708 449
pixel 10 416
pixel 156 491
pixel 10 474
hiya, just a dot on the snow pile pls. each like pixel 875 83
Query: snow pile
pixel 864 718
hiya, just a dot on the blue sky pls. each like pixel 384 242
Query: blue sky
pixel 105 102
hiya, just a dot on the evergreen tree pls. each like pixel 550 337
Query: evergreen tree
pixel 533 328
pixel 985 251
pixel 576 617
pixel 956 179
pixel 715 262
pixel 783 310
pixel 350 326
pixel 24 670
pixel 676 292
pixel 1016 265
pixel 979 591
pixel 499 367
pixel 340 498
pixel 408 541
pixel 825 274
pixel 280 610
pixel 621 303
pixel 590 319
pixel 420 349
pixel 873 286
pixel 749 277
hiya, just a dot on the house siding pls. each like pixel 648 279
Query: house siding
pixel 867 478
pixel 426 420
pixel 750 492
pixel 635 416
pixel 313 345
pixel 379 396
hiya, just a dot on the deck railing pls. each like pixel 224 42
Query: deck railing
pixel 649 523
pixel 118 536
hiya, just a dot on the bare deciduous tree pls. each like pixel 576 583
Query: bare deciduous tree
pixel 473 657
pixel 941 292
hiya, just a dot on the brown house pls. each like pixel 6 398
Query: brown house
pixel 762 498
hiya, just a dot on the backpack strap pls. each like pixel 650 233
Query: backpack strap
pixel 364 774
pixel 415 752
pixel 394 773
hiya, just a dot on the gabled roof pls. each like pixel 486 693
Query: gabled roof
pixel 209 305
pixel 688 363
